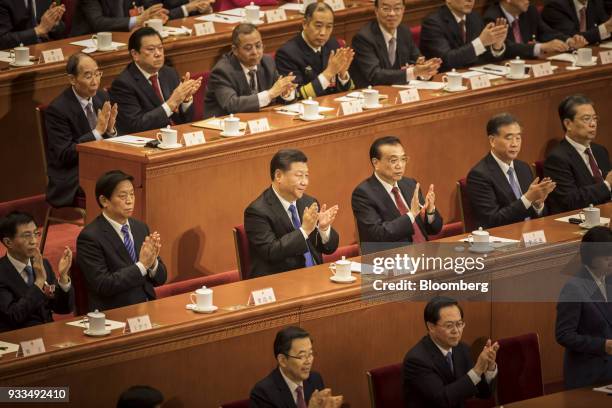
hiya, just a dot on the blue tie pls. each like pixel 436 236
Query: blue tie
pixel 297 224
pixel 513 183
pixel 127 241
pixel 30 273
pixel 449 360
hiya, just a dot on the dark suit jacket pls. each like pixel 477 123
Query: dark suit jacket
pixel 441 37
pixel 22 305
pixel 532 28
pixel 275 245
pixel 139 108
pixel 273 392
pixel 93 16
pixel 584 322
pixel 491 196
pixel 371 65
pixel 576 188
pixel 429 382
pixel 113 279
pixel 67 126
pixel 228 90
pixel 561 15
pixel 17 24
pixel 377 216
pixel 296 56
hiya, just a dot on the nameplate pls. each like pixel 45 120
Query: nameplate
pixel 204 28
pixel 138 324
pixel 605 57
pixel 31 347
pixel 261 297
pixel 409 95
pixel 350 107
pixel 259 125
pixel 534 238
pixel 276 15
pixel 336 4
pixel 194 138
pixel 540 70
pixel 479 82
pixel 55 55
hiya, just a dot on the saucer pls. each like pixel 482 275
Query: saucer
pixel 318 117
pixel 97 334
pixel 235 135
pixel 27 64
pixel 586 226
pixel 171 146
pixel 588 64
pixel 572 68
pixel 197 309
pixel 482 250
pixel 524 76
pixel 336 279
pixel 378 105
pixel 107 49
pixel 460 89
pixel 258 22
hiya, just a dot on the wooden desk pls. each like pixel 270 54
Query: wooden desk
pixel 205 360
pixel 194 196
pixel 582 397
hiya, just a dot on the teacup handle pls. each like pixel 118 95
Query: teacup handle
pixel 445 79
pixel 193 299
pixel 470 240
pixel 507 64
pixel 94 38
pixel 158 137
pixel 332 266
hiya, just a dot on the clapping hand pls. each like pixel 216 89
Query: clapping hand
pixel 327 216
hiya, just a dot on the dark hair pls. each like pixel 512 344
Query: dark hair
pixel 567 107
pixel 285 337
pixel 140 396
pixel 72 66
pixel 376 3
pixel 9 224
pixel 316 7
pixel 283 158
pixel 431 314
pixel 242 29
pixel 597 242
pixel 498 121
pixel 135 41
pixel 385 140
pixel 107 183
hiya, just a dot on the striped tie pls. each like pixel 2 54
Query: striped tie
pixel 127 241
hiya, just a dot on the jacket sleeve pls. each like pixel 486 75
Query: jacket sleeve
pixel 370 65
pixel 93 13
pixel 10 38
pixel 435 44
pixel 61 146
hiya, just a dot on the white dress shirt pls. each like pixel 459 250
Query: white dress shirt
pixel 321 78
pixel 504 168
pixel 603 31
pixel 388 36
pixel 165 106
pixel 117 227
pixel 581 149
pixel 293 386
pixel 489 375
pixel 286 204
pixel 20 267
pixel 537 49
pixel 389 187
pixel 84 102
pixel 264 96
pixel 600 282
pixel 479 48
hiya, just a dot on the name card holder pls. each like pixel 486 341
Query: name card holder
pixel 534 238
pixel 31 347
pixel 479 82
pixel 605 57
pixel 194 138
pixel 55 55
pixel 350 107
pixel 336 4
pixel 204 28
pixel 409 95
pixel 278 14
pixel 259 125
pixel 138 324
pixel 540 70
pixel 261 297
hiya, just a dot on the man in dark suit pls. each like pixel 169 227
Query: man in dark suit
pixel 458 35
pixel 316 60
pixel 528 35
pixel 579 166
pixel 501 187
pixel 93 16
pixel 82 113
pixel 246 80
pixel 285 228
pixel 28 22
pixel 292 384
pixel 584 314
pixel 585 17
pixel 184 8
pixel 438 370
pixel 385 53
pixel 150 94
pixel 116 253
pixel 28 292
pixel 387 206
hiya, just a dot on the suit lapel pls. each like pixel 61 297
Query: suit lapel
pixel 381 44
pixel 379 191
pixel 500 178
pixel 142 83
pixel 283 390
pixel 573 14
pixel 577 160
pixel 593 294
pixel 77 110
pixel 525 28
pixel 278 211
pixel 113 238
pixel 449 18
pixel 13 277
pixel 439 361
pixel 243 85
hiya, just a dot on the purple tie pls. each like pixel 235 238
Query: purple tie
pixel 301 402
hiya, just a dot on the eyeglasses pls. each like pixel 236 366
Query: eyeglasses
pixel 150 49
pixel 587 120
pixel 302 356
pixel 28 236
pixel 90 75
pixel 125 196
pixel 395 160
pixel 452 325
pixel 396 10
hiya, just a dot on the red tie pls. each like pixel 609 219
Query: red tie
pixel 417 236
pixel 463 31
pixel 583 19
pixel 301 403
pixel 594 167
pixel 516 30
pixel 155 84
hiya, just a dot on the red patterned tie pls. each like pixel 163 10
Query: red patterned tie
pixel 463 31
pixel 594 167
pixel 157 90
pixel 301 402
pixel 417 236
pixel 583 22
pixel 516 30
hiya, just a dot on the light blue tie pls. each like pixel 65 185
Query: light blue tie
pixel 449 360
pixel 127 241
pixel 30 273
pixel 514 183
pixel 297 224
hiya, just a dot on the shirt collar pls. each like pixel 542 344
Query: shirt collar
pixel 579 6
pixel 20 266
pixel 387 35
pixel 580 148
pixel 292 385
pixel 314 49
pixel 145 73
pixel 599 281
pixel 509 17
pixel 504 167
pixel 83 101
pixel 457 18
pixel 116 226
pixel 442 349
pixel 284 202
pixel 246 69
pixel 386 185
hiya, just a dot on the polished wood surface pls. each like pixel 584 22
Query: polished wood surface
pixel 194 196
pixel 204 360
pixel 583 397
